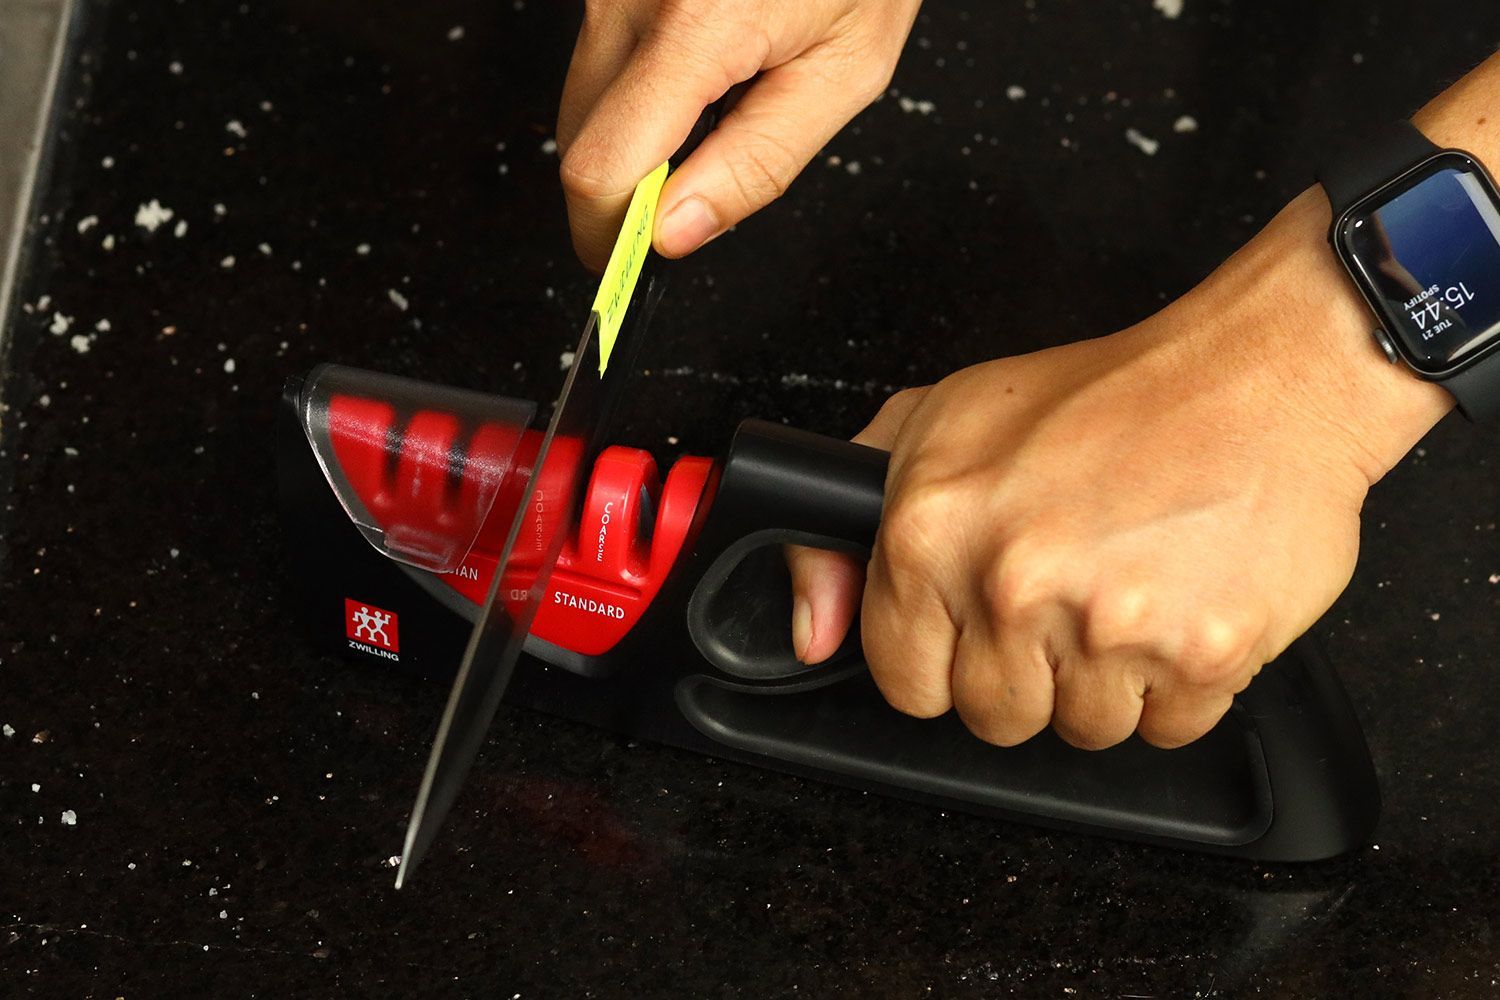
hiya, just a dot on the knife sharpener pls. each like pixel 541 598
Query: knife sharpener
pixel 668 618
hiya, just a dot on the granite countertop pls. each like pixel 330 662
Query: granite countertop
pixel 193 803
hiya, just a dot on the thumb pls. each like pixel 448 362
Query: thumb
pixel 752 157
pixel 827 586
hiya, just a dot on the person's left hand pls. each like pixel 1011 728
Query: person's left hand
pixel 1115 536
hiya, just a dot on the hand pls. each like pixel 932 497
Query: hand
pixel 1116 535
pixel 644 70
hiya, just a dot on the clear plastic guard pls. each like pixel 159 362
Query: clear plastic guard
pixel 418 467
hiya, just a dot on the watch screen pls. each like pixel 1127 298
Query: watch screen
pixel 1430 255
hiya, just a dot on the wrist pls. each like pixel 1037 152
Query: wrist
pixel 1284 320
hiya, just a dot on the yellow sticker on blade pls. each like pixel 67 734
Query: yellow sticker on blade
pixel 625 261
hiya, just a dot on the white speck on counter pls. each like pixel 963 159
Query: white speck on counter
pixel 103 326
pixel 1494 578
pixel 227 262
pixel 456 33
pixel 174 67
pixel 108 243
pixel 69 818
pixel 181 230
pixel 80 343
pixel 1170 9
pixel 107 163
pixel 264 248
pixel 7 730
pixel 87 222
pixel 1436 615
pixel 1359 58
pixel 672 439
pixel 909 105
pixel 549 147
pixel 152 215
pixel 363 249
pixel 1142 142
pixel 1016 92
pixel 60 324
pixel 223 914
pixel 235 128
pixel 229 366
pixel 1185 124
pixel 35 787
pixel 220 210
pixel 397 299
pixel 853 167
pixel 393 861
pixel 565 359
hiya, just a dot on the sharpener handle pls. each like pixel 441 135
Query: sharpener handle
pixel 1286 775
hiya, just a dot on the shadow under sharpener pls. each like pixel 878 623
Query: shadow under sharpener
pixel 668 618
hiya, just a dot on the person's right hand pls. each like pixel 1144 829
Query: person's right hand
pixel 644 70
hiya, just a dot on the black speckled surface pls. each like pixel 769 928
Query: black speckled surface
pixel 237 798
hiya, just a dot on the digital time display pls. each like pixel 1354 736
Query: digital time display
pixel 1429 255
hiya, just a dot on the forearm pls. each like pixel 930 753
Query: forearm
pixel 1284 308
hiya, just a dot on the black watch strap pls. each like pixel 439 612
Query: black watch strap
pixel 1380 158
pixel 1477 389
pixel 1370 165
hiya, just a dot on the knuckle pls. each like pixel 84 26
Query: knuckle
pixel 914 527
pixel 1216 650
pixel 1086 737
pixel 1171 738
pixel 583 176
pixel 920 694
pixel 1022 580
pixel 901 402
pixel 762 169
pixel 1001 729
pixel 1117 618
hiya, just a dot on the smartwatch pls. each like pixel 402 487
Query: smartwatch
pixel 1418 229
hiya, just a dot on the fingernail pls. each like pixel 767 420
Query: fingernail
pixel 801 627
pixel 690 224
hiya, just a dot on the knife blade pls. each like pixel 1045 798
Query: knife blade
pixel 591 392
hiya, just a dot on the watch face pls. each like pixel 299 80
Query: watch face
pixel 1427 252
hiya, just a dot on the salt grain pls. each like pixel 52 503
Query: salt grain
pixel 60 324
pixel 1170 9
pixel 152 215
pixel 363 249
pixel 549 147
pixel 229 366
pixel 69 818
pixel 1185 124
pixel 1016 92
pixel 456 33
pixel 7 731
pixel 233 127
pixel 565 359
pixel 181 230
pixel 227 262
pixel 87 223
pixel 1145 144
pixel 397 299
pixel 80 343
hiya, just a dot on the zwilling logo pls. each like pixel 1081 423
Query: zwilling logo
pixel 372 630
